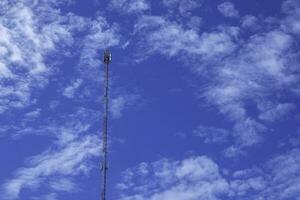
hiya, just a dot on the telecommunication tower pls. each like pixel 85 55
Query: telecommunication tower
pixel 106 60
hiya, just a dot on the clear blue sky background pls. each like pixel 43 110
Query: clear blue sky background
pixel 204 99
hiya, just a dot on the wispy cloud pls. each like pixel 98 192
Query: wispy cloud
pixel 200 178
pixel 291 22
pixel 273 113
pixel 248 75
pixel 183 6
pixel 228 9
pixel 277 179
pixel 131 6
pixel 244 70
pixel 22 48
pixel 70 90
pixel 70 158
pixel 285 182
pixel 122 102
pixel 33 32
pixel 170 38
pixel 74 148
pixel 190 179
pixel 212 134
pixel 249 21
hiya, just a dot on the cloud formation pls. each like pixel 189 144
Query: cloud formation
pixel 212 134
pixel 199 177
pixel 170 38
pixel 228 9
pixel 67 161
pixel 33 32
pixel 183 6
pixel 131 6
pixel 245 70
pixel 71 155
pixel 193 178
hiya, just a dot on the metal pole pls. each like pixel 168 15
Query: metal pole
pixel 106 59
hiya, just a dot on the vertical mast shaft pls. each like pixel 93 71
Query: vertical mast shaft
pixel 106 59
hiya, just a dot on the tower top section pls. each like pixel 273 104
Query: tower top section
pixel 106 56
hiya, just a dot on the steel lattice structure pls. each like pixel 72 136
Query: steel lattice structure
pixel 106 60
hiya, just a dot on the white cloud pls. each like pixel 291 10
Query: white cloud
pixel 171 3
pixel 199 177
pixel 184 6
pixel 212 134
pixel 273 113
pixel 70 155
pixel 258 70
pixel 248 132
pixel 4 70
pixel 170 38
pixel 21 48
pixel 130 6
pixel 33 114
pixel 70 160
pixel 291 22
pixel 285 174
pixel 117 106
pixel 193 178
pixel 70 90
pixel 234 151
pixel 249 21
pixel 121 103
pixel 246 182
pixel 30 33
pixel 63 184
pixel 51 196
pixel 244 71
pixel 61 127
pixel 228 9
pixel 277 179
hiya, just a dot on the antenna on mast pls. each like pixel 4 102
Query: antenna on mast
pixel 106 60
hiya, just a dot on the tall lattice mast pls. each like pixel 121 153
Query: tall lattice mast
pixel 106 60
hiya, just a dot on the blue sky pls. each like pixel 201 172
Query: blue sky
pixel 204 99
